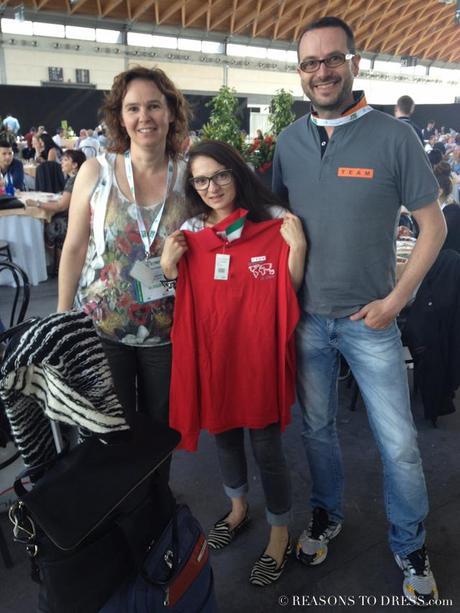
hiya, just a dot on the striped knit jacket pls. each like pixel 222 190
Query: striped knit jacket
pixel 57 369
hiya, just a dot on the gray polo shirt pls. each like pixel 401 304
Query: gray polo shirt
pixel 349 202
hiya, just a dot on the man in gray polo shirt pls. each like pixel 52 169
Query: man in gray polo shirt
pixel 346 170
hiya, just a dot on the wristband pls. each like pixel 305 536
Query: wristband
pixel 168 283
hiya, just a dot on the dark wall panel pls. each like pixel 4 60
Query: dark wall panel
pixel 48 106
pixel 447 115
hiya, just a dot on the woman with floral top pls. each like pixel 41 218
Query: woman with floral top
pixel 124 204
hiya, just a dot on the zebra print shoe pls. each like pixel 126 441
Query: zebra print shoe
pixel 265 570
pixel 222 535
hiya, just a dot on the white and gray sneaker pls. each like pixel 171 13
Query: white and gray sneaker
pixel 419 585
pixel 312 545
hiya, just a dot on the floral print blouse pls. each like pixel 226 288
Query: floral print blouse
pixel 108 293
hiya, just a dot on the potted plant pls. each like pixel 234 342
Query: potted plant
pixel 223 123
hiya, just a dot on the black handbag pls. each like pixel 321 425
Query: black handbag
pixel 8 202
pixel 90 518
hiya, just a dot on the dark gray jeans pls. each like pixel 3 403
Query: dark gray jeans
pixel 269 455
pixel 141 377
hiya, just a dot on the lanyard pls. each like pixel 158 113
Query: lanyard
pixel 339 121
pixel 147 237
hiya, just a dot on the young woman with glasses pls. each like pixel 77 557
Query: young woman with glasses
pixel 218 291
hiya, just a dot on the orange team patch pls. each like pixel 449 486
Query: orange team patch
pixel 356 173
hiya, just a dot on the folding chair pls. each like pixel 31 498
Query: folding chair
pixel 17 315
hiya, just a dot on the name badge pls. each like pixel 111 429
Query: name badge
pixel 222 267
pixel 148 274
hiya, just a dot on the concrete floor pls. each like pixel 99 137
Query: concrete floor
pixel 359 570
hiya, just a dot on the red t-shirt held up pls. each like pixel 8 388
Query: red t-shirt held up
pixel 233 340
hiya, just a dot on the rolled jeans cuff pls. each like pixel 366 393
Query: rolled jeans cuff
pixel 281 519
pixel 236 492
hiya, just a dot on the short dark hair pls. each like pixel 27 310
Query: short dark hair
pixel 441 147
pixel 4 144
pixel 405 104
pixel 76 155
pixel 251 193
pixel 330 22
pixel 435 156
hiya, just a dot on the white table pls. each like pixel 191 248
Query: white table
pixel 25 236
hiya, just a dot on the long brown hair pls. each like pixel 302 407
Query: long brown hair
pixel 111 109
pixel 251 193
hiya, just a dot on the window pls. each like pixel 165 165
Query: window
pixel 48 29
pixel 166 42
pixel 108 36
pixel 189 44
pixel 208 46
pixel 82 75
pixel 76 32
pixel 12 26
pixel 55 74
pixel 140 40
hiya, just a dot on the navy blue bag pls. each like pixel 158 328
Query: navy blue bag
pixel 176 575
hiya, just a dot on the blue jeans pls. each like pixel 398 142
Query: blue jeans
pixel 376 360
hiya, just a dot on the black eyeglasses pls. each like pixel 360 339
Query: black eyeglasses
pixel 221 178
pixel 333 61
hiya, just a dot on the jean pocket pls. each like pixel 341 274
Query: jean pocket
pixel 390 326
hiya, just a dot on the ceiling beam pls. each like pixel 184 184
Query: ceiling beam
pixel 246 20
pixel 129 10
pixel 77 5
pixel 142 8
pixel 418 26
pixel 455 55
pixel 232 20
pixel 431 44
pixel 174 7
pixel 110 6
pixel 280 16
pixel 266 23
pixel 223 16
pixel 424 44
pixel 292 22
pixel 267 7
pixel 256 18
pixel 376 40
pixel 209 15
pixel 425 36
pixel 374 26
pixel 99 8
pixel 300 23
pixel 196 14
pixel 41 4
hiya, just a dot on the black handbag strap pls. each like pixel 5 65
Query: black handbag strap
pixel 31 473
